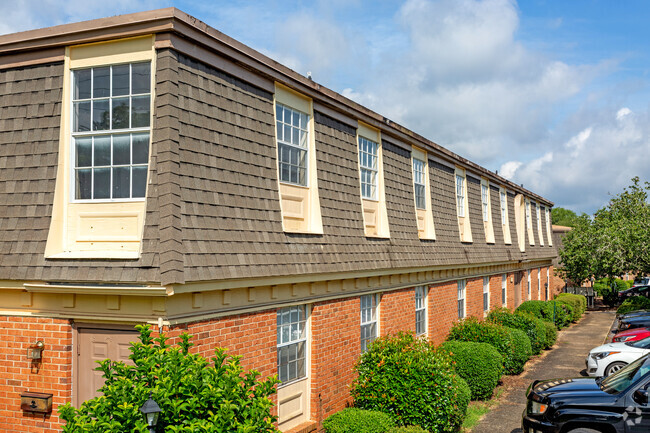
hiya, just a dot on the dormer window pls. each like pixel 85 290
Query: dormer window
pixel 368 167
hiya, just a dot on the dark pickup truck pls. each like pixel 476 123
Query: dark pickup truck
pixel 615 404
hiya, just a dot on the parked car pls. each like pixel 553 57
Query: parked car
pixel 634 291
pixel 609 358
pixel 641 281
pixel 633 323
pixel 631 335
pixel 634 313
pixel 617 403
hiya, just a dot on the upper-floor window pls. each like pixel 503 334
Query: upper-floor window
pixel 461 299
pixel 292 343
pixel 368 320
pixel 549 236
pixel 111 118
pixel 419 184
pixel 485 201
pixel 538 217
pixel 504 209
pixel 460 195
pixel 529 223
pixel 292 129
pixel 420 310
pixel 369 168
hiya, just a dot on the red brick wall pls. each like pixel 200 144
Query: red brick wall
pixel 397 311
pixel 474 297
pixel 54 374
pixel 335 348
pixel 495 292
pixel 534 280
pixel 557 283
pixel 442 306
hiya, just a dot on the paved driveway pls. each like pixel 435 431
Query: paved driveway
pixel 567 359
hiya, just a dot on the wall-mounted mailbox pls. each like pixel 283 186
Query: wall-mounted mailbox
pixel 36 402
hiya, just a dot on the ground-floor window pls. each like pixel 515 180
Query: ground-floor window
pixel 504 290
pixel 528 287
pixel 368 320
pixel 420 310
pixel 292 343
pixel 461 299
pixel 486 294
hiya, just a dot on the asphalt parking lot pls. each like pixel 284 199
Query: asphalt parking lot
pixel 566 359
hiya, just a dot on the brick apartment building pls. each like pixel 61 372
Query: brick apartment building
pixel 155 170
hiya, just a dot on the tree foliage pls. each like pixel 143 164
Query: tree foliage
pixel 563 217
pixel 195 396
pixel 614 242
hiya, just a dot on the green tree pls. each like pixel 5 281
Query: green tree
pixel 195 396
pixel 563 217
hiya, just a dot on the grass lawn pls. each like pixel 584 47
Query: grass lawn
pixel 477 409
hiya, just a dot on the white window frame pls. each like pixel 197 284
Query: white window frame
pixel 504 290
pixel 110 132
pixel 549 234
pixel 485 201
pixel 297 334
pixel 503 200
pixel 419 183
pixel 528 287
pixel 486 294
pixel 301 129
pixel 539 223
pixel 421 319
pixel 462 305
pixel 369 168
pixel 460 195
pixel 548 283
pixel 369 319
pixel 539 284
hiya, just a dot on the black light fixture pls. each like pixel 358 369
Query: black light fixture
pixel 150 410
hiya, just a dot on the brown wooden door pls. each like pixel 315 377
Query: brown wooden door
pixel 97 345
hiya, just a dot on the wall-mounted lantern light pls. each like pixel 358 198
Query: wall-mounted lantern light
pixel 35 351
pixel 150 410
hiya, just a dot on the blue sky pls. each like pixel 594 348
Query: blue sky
pixel 552 93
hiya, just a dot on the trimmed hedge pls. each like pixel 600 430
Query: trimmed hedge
pixel 632 304
pixel 478 363
pixel 544 310
pixel 353 420
pixel 551 334
pixel 531 325
pixel 407 378
pixel 578 302
pixel 409 429
pixel 511 343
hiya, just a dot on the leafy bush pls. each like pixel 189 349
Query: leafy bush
pixel 193 394
pixel 568 312
pixel 531 325
pixel 353 420
pixel 478 363
pixel 633 303
pixel 512 344
pixel 578 304
pixel 409 429
pixel 544 310
pixel 608 289
pixel 551 334
pixel 411 381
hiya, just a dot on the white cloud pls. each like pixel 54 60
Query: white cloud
pixel 508 169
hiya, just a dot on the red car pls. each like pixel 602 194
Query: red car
pixel 631 335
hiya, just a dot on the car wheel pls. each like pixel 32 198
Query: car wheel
pixel 614 367
pixel 584 430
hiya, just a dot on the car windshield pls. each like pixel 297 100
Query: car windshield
pixel 623 378
pixel 640 344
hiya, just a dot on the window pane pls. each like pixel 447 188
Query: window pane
pixel 121 149
pixel 101 82
pixel 121 182
pixel 83 152
pixel 141 73
pixel 121 80
pixel 141 109
pixel 81 116
pixel 140 148
pixel 102 182
pixel 102 151
pixel 81 84
pixel 83 181
pixel 120 113
pixel 139 181
pixel 278 113
pixel 101 115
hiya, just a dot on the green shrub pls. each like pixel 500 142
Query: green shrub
pixel 632 304
pixel 550 334
pixel 478 363
pixel 409 429
pixel 544 310
pixel 194 394
pixel 608 289
pixel 512 344
pixel 531 325
pixel 568 312
pixel 353 420
pixel 579 303
pixel 411 381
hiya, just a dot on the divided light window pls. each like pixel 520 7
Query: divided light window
pixel 419 184
pixel 486 293
pixel 111 117
pixel 420 310
pixel 461 299
pixel 529 223
pixel 528 285
pixel 368 320
pixel 292 342
pixel 485 201
pixel 502 196
pixel 460 195
pixel 292 128
pixel 504 290
pixel 368 167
